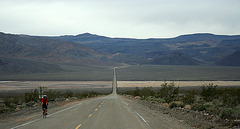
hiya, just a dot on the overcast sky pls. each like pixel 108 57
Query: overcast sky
pixel 120 18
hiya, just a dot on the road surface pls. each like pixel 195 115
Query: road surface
pixel 108 112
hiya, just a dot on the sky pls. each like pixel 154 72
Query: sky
pixel 120 18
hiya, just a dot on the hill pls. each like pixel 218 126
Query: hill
pixel 90 49
pixel 204 47
pixel 28 54
pixel 230 60
pixel 48 50
pixel 175 58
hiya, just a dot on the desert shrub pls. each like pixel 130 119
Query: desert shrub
pixel 136 92
pixel 7 102
pixel 87 94
pixel 198 107
pixel 32 96
pixel 173 105
pixel 6 109
pixel 146 92
pixel 217 103
pixel 209 92
pixel 143 93
pixel 168 92
pixel 160 100
pixel 189 97
pixel 176 104
pixel 155 100
pixel 181 104
pixel 68 94
pixel 230 96
pixel 211 108
pixel 236 114
pixel 11 102
pixel 30 104
pixel 227 113
pixel 53 94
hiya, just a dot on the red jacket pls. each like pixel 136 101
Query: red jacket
pixel 44 100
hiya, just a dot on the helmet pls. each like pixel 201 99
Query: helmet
pixel 44 96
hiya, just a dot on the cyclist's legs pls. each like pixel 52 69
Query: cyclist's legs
pixel 44 107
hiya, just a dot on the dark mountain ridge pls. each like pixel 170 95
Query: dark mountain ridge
pixel 230 60
pixel 205 48
pixel 48 50
pixel 191 49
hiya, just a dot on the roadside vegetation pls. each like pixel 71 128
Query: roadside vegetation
pixel 210 99
pixel 15 101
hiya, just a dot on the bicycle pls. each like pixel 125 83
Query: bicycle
pixel 44 113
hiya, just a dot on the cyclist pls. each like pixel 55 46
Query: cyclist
pixel 45 103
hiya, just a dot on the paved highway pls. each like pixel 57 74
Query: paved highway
pixel 109 112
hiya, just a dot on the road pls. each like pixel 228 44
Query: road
pixel 108 112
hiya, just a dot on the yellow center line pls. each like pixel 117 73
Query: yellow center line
pixel 78 126
pixel 90 115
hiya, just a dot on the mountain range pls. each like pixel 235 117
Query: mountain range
pixel 47 53
pixel 195 49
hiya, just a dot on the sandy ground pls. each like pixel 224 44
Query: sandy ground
pixel 22 85
pixel 177 83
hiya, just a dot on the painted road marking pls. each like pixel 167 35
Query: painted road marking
pixel 78 126
pixel 90 115
pixel 48 116
pixel 142 118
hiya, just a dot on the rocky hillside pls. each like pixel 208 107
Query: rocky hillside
pixel 231 60
pixel 90 49
pixel 26 54
pixel 202 48
pixel 48 50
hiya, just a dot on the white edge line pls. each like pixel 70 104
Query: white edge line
pixel 142 118
pixel 48 115
pixel 26 123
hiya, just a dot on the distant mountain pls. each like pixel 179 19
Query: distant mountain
pixel 17 66
pixel 175 58
pixel 230 60
pixel 204 47
pixel 91 49
pixel 2 63
pixel 48 50
pixel 81 38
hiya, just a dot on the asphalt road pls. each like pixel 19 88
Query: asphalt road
pixel 108 112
